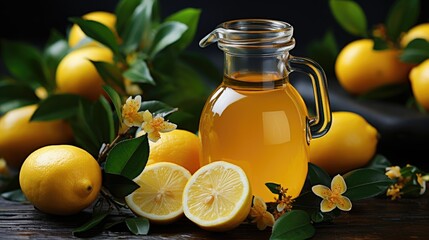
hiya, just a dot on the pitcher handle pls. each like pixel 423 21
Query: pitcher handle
pixel 319 124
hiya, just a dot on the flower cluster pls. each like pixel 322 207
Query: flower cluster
pixel 147 123
pixel 409 181
pixel 264 216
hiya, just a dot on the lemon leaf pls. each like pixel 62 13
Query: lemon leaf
pixel 110 73
pixel 139 73
pixel 402 15
pixel 318 176
pixel 138 225
pixel 157 108
pixel 102 116
pixel 350 16
pixel 293 225
pixel 95 220
pixel 24 62
pixel 416 51
pixel 118 185
pixel 128 158
pixel 58 106
pixel 190 17
pixel 14 95
pixel 14 195
pixel 56 48
pixel 365 183
pixel 99 32
pixel 274 187
pixel 379 163
pixel 116 100
pixel 134 24
pixel 166 34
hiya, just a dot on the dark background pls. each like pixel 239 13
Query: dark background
pixel 31 21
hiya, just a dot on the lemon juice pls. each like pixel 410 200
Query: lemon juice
pixel 254 120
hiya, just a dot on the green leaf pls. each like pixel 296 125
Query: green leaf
pixel 157 108
pixel 59 106
pixel 293 225
pixel 119 186
pixel 379 163
pixel 274 187
pixel 139 73
pixel 83 131
pixel 211 73
pixel 103 124
pixel 190 17
pixel 402 15
pixel 128 158
pixel 307 201
pixel 55 50
pixel 123 12
pixel 25 63
pixel 317 175
pixel 350 16
pixel 166 34
pixel 110 73
pixel 416 51
pixel 135 29
pixel 116 100
pixel 14 195
pixel 15 95
pixel 365 183
pixel 93 222
pixel 99 32
pixel 138 225
pixel 380 44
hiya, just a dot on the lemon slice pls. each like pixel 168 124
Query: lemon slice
pixel 159 197
pixel 217 197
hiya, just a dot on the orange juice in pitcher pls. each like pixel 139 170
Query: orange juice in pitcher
pixel 256 119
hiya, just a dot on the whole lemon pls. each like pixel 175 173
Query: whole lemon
pixel 76 74
pixel 350 143
pixel 60 179
pixel 419 78
pixel 178 146
pixel 76 34
pixel 418 31
pixel 360 69
pixel 19 137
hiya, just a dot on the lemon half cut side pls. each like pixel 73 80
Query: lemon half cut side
pixel 217 197
pixel 159 197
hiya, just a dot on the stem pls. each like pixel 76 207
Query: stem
pixel 106 148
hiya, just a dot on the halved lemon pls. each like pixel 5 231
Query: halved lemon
pixel 217 197
pixel 159 197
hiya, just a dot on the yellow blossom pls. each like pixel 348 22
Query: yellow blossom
pixel 153 126
pixel 394 191
pixel 260 215
pixel 422 183
pixel 333 197
pixel 284 202
pixel 393 172
pixel 130 112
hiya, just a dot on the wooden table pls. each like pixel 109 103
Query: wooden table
pixel 376 218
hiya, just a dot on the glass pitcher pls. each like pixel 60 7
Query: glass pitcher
pixel 256 119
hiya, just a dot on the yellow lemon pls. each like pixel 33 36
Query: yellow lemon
pixel 60 179
pixel 217 197
pixel 360 69
pixel 350 143
pixel 178 146
pixel 77 75
pixel 419 77
pixel 106 18
pixel 19 137
pixel 159 197
pixel 418 31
